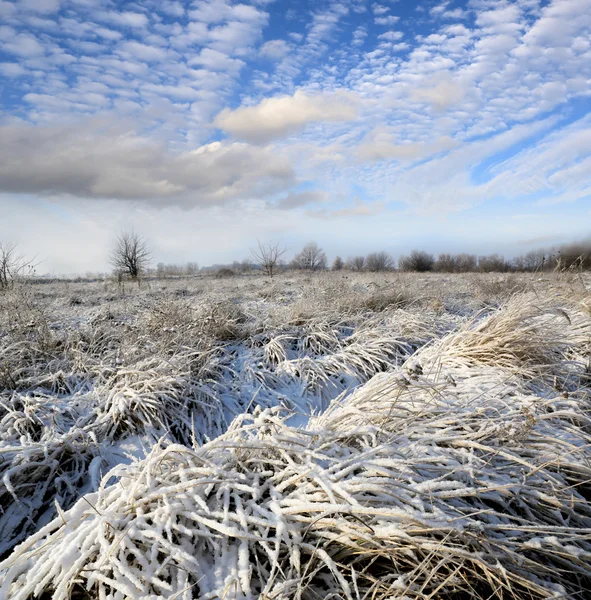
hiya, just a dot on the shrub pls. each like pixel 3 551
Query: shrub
pixel 418 260
pixel 338 264
pixel 379 261
pixel 492 263
pixel 356 263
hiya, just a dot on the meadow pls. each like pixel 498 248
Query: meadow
pixel 327 435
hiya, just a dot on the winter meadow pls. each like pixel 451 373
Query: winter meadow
pixel 295 300
pixel 328 434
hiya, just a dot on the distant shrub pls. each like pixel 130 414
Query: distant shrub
pixel 338 264
pixel 456 263
pixel 493 263
pixel 466 262
pixel 379 261
pixel 224 272
pixel 446 263
pixel 417 260
pixel 356 263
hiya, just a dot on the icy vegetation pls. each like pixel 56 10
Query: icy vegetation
pixel 351 436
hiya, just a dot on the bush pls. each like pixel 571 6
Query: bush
pixel 418 260
pixel 338 264
pixel 492 263
pixel 356 263
pixel 379 261
pixel 224 272
pixel 446 263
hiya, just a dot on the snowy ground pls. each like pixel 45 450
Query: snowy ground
pixel 362 435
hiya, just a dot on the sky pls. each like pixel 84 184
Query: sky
pixel 206 125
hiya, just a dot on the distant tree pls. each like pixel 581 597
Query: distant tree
pixel 379 261
pixel 534 260
pixel 338 264
pixel 131 255
pixel 446 263
pixel 356 263
pixel 466 262
pixel 310 258
pixel 417 260
pixel 268 256
pixel 492 263
pixel 192 268
pixel 223 272
pixel 12 265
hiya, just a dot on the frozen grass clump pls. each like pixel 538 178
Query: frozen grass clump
pixel 529 335
pixel 407 490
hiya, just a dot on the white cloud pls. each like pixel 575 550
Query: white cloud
pixel 442 95
pixel 379 145
pixel 40 6
pixel 20 44
pixel 274 49
pixel 107 34
pixel 12 69
pixel 7 9
pixel 380 9
pixel 388 20
pixel 358 209
pixel 216 11
pixel 391 36
pixel 124 19
pixel 98 160
pixel 359 35
pixel 171 7
pixel 299 199
pixel 216 61
pixel 278 117
pixel 143 51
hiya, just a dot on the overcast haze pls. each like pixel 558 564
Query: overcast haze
pixel 205 125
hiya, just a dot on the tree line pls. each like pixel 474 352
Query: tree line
pixel 131 258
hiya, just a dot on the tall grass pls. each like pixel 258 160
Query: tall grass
pixel 447 455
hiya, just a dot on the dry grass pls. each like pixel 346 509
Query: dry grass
pixel 453 460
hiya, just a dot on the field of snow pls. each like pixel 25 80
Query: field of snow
pixel 335 435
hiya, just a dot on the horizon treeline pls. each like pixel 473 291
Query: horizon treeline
pixel 268 258
pixel 313 258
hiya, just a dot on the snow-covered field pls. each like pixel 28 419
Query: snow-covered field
pixel 336 435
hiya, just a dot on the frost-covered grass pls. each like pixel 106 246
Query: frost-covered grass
pixel 340 435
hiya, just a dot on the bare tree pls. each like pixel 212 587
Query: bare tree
pixel 131 255
pixel 192 268
pixel 311 258
pixel 267 256
pixel 466 262
pixel 379 261
pixel 492 263
pixel 446 263
pixel 12 264
pixel 418 260
pixel 356 263
pixel 338 264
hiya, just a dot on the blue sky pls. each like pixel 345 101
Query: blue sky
pixel 206 124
